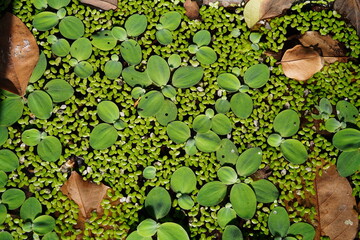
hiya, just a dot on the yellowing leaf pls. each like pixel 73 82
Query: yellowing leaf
pixel 350 9
pixel 102 4
pixel 301 63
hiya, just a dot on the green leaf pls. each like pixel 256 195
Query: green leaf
pixel 150 104
pixel 103 136
pixel 71 27
pixel 31 137
pixel 164 36
pixel 185 202
pixel 222 105
pixel 348 163
pixel 43 224
pixel 221 124
pixel 257 75
pixel 119 33
pixel 6 236
pixel 212 193
pixel 131 52
pixel 50 236
pixel 178 132
pixel 332 125
pixel 30 209
pixel 265 191
pixel 59 90
pixel 190 147
pixel 202 123
pixel 133 77
pixel 229 82
pixel 11 109
pixel 167 113
pixel 347 139
pixel 135 25
pixel 104 40
pixel 346 111
pixel 274 140
pixel 45 21
pixel 287 123
pixel 40 104
pixel 249 161
pixel 252 12
pixel 202 38
pixel 306 230
pixel 227 175
pixel 136 236
pixel 255 37
pixel 147 228
pixel 13 198
pixel 170 20
pixel 294 151
pixel 227 153
pixel 3 179
pixel 185 77
pixel 206 55
pixel 225 216
pixel 169 92
pixel 40 4
pixel 81 49
pixel 325 106
pixel 39 69
pixel 57 4
pixel 279 222
pixel 4 135
pixel 108 111
pixel 158 70
pixel 83 69
pixel 60 48
pixel 149 172
pixel 49 149
pixel 174 60
pixel 183 180
pixel 3 214
pixel 207 142
pixel 8 160
pixel 113 69
pixel 232 232
pixel 243 200
pixel 158 202
pixel 171 231
pixel 242 105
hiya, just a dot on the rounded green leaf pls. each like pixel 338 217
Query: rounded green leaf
pixel 287 123
pixel 227 153
pixel 274 140
pixel 347 139
pixel 249 161
pixel 229 82
pixel 202 38
pixel 158 70
pixel 206 55
pixel 232 232
pixel 149 172
pixel 212 193
pixel 131 52
pixel 147 228
pixel 178 132
pixel 242 105
pixel 71 27
pixel 119 33
pixel 50 236
pixel 158 202
pixel 169 92
pixel 40 104
pixel 346 111
pixel 39 68
pixel 3 179
pixel 348 163
pixel 225 216
pixel 30 209
pixel 167 113
pixel 300 228
pixel 11 109
pixel 104 40
pixel 227 175
pixel 43 224
pixel 83 69
pixel 170 20
pixel 221 124
pixel 45 21
pixel 137 92
pixel 164 36
pixel 279 222
pixel 103 136
pixel 174 61
pixel 133 77
pixel 113 69
pixel 243 200
pixel 57 4
pixel 332 125
pixel 136 236
pixel 108 111
pixel 171 231
pixel 81 49
pixel 207 142
pixel 3 214
pixel 222 105
pixel 59 90
pixel 150 103
pixel 202 123
pixel 185 202
pixel 325 106
pixel 255 37
pixel 31 137
pixel 135 25
pixel 8 160
pixel 49 149
pixel 40 4
pixel 4 134
pixel 13 198
pixel 257 75
pixel 190 147
pixel 185 77
pixel 61 47
pixel 294 151
pixel 265 191
pixel 6 236
pixel 183 180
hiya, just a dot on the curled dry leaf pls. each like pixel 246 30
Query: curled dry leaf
pixel 102 4
pixel 225 3
pixel 192 9
pixel 331 49
pixel 350 9
pixel 335 206
pixel 301 63
pixel 19 54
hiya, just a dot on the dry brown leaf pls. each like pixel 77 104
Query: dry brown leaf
pixel 192 9
pixel 301 63
pixel 225 3
pixel 274 8
pixel 350 9
pixel 331 49
pixel 102 4
pixel 19 54
pixel 335 206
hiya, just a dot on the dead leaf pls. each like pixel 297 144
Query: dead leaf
pixel 19 54
pixel 335 206
pixel 350 9
pixel 301 63
pixel 102 4
pixel 85 194
pixel 192 9
pixel 331 49
pixel 225 3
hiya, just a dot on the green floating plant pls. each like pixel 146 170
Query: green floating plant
pixel 4 134
pixel 169 22
pixel 57 4
pixel 183 182
pixel 59 47
pixel 13 198
pixel 149 172
pixel 113 68
pixel 203 53
pixel 39 69
pixel 59 90
pixel 71 27
pixel 254 38
pixel 232 232
pixel 11 109
pixel 6 236
pixel 103 136
pixel 178 132
pixel 8 160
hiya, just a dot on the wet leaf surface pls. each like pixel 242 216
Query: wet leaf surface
pixel 350 9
